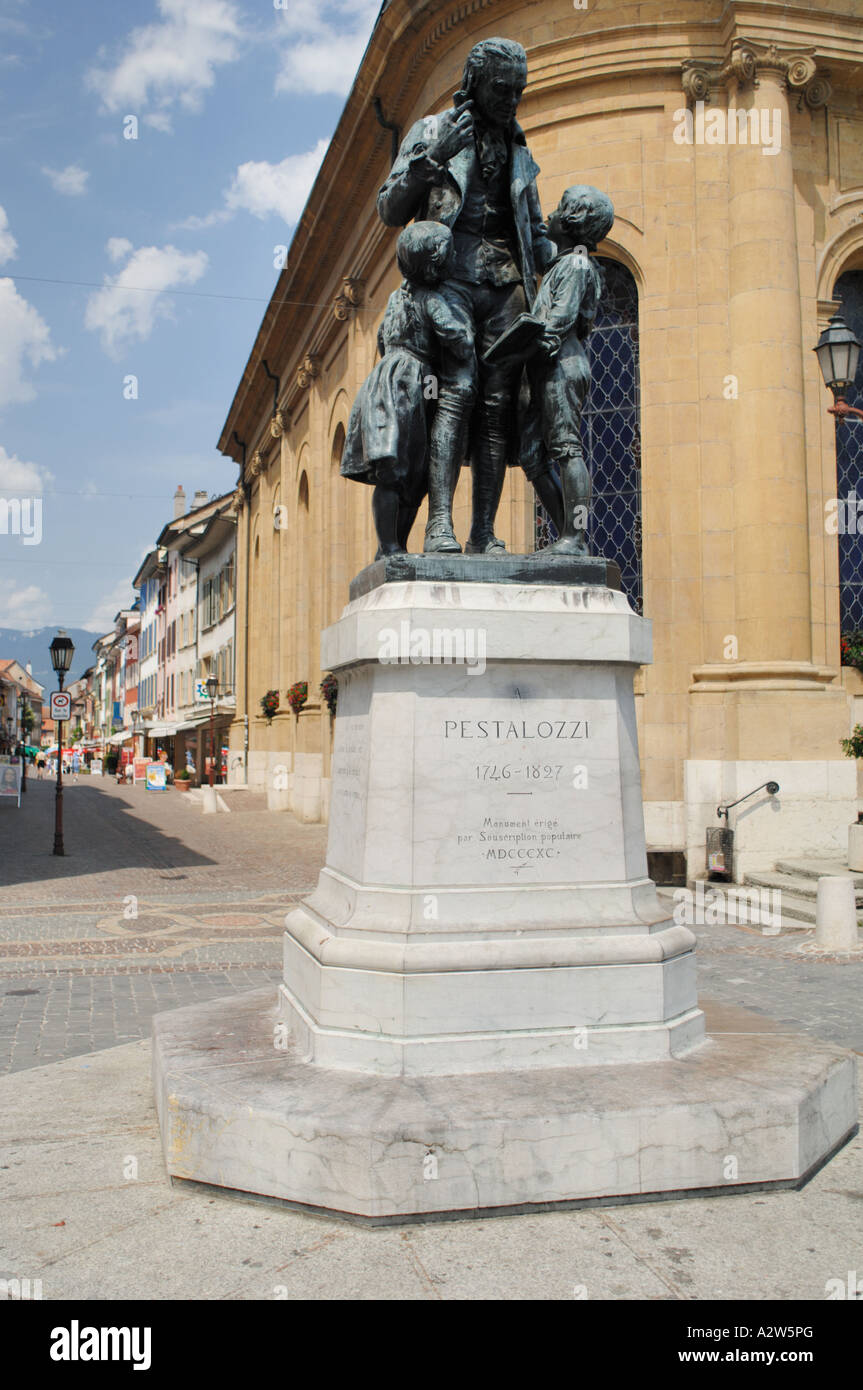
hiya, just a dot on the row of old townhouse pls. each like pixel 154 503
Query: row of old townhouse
pixel 146 693
pixel 21 712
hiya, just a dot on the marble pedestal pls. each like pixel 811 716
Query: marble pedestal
pixel 485 903
pixel 484 980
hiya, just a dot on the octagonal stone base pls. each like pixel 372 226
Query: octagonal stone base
pixel 736 1113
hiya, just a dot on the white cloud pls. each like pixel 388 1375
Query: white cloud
pixel 212 219
pixel 323 42
pixel 131 302
pixel 267 190
pixel 8 244
pixel 23 606
pixel 122 595
pixel 20 479
pixel 262 188
pixel 72 180
pixel 24 338
pixel 171 62
pixel 159 120
pixel 118 247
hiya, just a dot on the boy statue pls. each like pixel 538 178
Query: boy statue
pixel 558 370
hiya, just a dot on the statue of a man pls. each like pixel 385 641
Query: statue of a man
pixel 470 168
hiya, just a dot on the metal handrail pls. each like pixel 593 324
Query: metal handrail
pixel 721 811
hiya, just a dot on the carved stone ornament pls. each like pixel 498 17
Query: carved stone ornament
pixel 239 498
pixel 799 70
pixel 818 92
pixel 257 465
pixel 310 369
pixel 698 79
pixel 349 298
pixel 278 424
pixel 742 63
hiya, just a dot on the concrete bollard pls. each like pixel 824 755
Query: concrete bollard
pixel 836 913
pixel 278 799
pixel 210 803
pixel 855 848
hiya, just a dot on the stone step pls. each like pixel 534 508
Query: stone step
pixel 243 798
pixel 796 884
pixel 797 912
pixel 800 893
pixel 797 905
pixel 814 868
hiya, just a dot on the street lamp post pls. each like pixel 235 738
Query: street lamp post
pixel 62 651
pixel 23 703
pixel 838 353
pixel 212 691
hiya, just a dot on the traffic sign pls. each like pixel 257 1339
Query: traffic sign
pixel 61 704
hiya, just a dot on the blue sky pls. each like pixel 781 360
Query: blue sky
pixel 150 257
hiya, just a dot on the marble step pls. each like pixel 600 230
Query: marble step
pixel 797 912
pixel 798 884
pixel 814 868
pixel 799 894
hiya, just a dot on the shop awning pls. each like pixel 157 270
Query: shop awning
pixel 160 731
pixel 194 723
pixel 119 738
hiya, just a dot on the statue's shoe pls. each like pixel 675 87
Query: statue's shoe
pixel 441 541
pixel 491 547
pixel 568 545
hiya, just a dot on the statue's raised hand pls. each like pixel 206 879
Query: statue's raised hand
pixel 450 134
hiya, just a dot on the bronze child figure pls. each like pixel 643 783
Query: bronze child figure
pixel 559 371
pixel 387 436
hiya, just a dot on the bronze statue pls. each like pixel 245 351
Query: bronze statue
pixel 471 170
pixel 558 369
pixel 467 320
pixel 387 436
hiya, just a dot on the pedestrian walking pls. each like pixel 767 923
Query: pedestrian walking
pixel 76 765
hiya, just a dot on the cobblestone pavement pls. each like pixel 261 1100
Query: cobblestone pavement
pixel 783 979
pixel 156 906
pixel 122 840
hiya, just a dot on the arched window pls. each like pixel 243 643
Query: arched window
pixel 307 581
pixel 337 578
pixel 338 446
pixel 611 433
pixel 849 464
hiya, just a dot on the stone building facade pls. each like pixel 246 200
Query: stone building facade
pixel 730 138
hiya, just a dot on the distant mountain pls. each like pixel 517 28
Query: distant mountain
pixel 33 646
